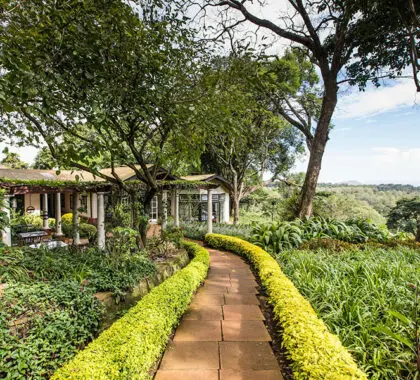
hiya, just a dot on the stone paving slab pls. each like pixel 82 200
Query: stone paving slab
pixel 238 281
pixel 204 313
pixel 242 289
pixel 203 331
pixel 241 299
pixel 245 331
pixel 196 374
pixel 228 374
pixel 242 312
pixel 222 335
pixel 191 355
pixel 208 299
pixel 247 356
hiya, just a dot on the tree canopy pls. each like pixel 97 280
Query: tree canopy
pixel 406 216
pixel 350 41
pixel 95 76
pixel 12 160
pixel 248 140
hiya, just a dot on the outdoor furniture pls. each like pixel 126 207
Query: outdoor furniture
pixel 25 238
pixel 49 244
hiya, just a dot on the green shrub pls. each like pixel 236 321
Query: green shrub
pixel 31 219
pixel 360 295
pixel 42 325
pixel 123 240
pixel 132 345
pixel 67 218
pixel 314 351
pixel 88 231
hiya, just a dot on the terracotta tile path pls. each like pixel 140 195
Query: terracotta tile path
pixel 222 336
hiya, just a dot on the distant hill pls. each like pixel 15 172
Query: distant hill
pixel 351 183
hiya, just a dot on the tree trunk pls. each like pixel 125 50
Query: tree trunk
pixel 418 233
pixel 143 220
pixel 235 210
pixel 235 197
pixel 317 149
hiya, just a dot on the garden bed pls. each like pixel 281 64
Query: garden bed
pixel 131 347
pixel 48 310
pixel 164 270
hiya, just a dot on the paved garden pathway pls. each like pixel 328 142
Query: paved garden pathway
pixel 222 336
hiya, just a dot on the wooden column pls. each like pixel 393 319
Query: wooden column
pixel 76 206
pixel 101 221
pixel 58 230
pixel 209 211
pixel 6 233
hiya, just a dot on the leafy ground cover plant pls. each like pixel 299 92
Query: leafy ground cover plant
pixel 361 296
pixel 99 270
pixel 42 325
pixel 279 236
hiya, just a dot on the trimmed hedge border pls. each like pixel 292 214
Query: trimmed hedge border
pixel 315 352
pixel 132 345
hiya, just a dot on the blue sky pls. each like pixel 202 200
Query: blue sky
pixel 376 137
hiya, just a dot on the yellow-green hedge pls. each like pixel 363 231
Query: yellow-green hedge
pixel 132 345
pixel 315 352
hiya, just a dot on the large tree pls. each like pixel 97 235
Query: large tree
pixel 406 216
pixel 343 39
pixel 12 160
pixel 97 77
pixel 248 139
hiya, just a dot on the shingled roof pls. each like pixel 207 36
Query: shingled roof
pixel 47 175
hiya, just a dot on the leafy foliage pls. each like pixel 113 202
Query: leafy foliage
pixel 92 267
pixel 361 295
pixel 48 309
pixel 42 325
pixel 4 221
pixel 278 236
pixel 406 216
pixel 381 197
pixel 12 160
pixel 248 138
pixel 85 230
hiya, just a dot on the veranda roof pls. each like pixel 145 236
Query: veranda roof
pixel 20 181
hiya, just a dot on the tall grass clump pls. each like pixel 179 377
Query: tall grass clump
pixel 367 299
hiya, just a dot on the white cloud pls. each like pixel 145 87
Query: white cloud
pixel 408 159
pixel 376 100
pixel 379 165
